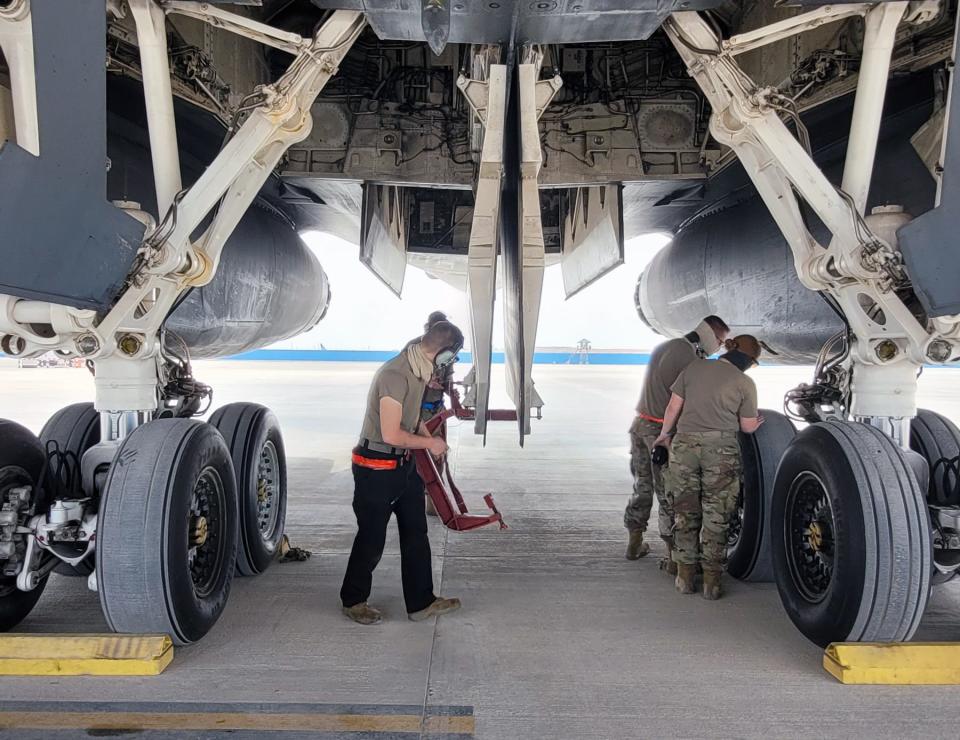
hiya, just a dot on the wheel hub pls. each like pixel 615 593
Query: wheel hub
pixel 268 490
pixel 735 523
pixel 206 531
pixel 815 537
pixel 810 536
pixel 198 531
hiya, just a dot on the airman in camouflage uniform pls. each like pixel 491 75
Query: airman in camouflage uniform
pixel 711 402
pixel 667 361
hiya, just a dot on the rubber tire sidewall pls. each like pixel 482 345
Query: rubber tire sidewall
pixel 144 578
pixel 751 560
pixel 247 427
pixel 834 616
pixel 934 436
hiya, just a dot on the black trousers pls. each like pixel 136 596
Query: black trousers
pixel 377 495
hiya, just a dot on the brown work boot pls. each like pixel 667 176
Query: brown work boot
pixel 636 547
pixel 363 613
pixel 711 585
pixel 686 577
pixel 431 509
pixel 438 607
pixel 667 564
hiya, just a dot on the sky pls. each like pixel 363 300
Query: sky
pixel 365 314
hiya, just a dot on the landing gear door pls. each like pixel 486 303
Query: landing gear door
pixel 383 234
pixel 592 235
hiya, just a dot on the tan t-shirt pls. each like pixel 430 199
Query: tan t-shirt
pixel 667 361
pixel 716 395
pixel 395 379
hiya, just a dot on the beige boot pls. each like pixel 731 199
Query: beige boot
pixel 636 547
pixel 711 584
pixel 686 578
pixel 438 607
pixel 667 564
pixel 363 613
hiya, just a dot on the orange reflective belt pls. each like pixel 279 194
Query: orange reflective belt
pixel 373 464
pixel 647 417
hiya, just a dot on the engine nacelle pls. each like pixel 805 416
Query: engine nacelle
pixel 269 286
pixel 736 264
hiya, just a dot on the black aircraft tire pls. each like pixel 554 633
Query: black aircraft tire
pixel 853 552
pixel 21 463
pixel 749 557
pixel 935 437
pixel 170 489
pixel 256 447
pixel 75 428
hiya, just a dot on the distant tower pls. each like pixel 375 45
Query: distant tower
pixel 582 354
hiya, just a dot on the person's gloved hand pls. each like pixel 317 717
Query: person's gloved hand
pixel 660 455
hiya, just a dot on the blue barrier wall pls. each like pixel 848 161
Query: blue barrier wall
pixel 342 355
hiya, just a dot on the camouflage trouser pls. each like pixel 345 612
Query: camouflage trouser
pixel 703 481
pixel 647 481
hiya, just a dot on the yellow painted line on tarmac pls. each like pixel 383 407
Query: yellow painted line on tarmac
pixel 184 721
pixel 84 655
pixel 895 663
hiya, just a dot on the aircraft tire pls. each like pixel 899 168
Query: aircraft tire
pixel 748 555
pixel 167 535
pixel 936 438
pixel 852 554
pixel 253 437
pixel 21 463
pixel 75 429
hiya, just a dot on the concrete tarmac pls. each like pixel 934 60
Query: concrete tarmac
pixel 559 637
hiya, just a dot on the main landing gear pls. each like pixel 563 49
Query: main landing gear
pixel 857 514
pixel 157 509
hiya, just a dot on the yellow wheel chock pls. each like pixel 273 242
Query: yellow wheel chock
pixel 84 655
pixel 905 663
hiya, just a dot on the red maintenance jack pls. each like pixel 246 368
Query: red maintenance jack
pixel 449 503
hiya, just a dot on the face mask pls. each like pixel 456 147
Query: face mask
pixel 740 360
pixel 446 357
pixel 708 340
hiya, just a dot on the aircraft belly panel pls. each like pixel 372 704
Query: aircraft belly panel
pixel 592 237
pixel 383 236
